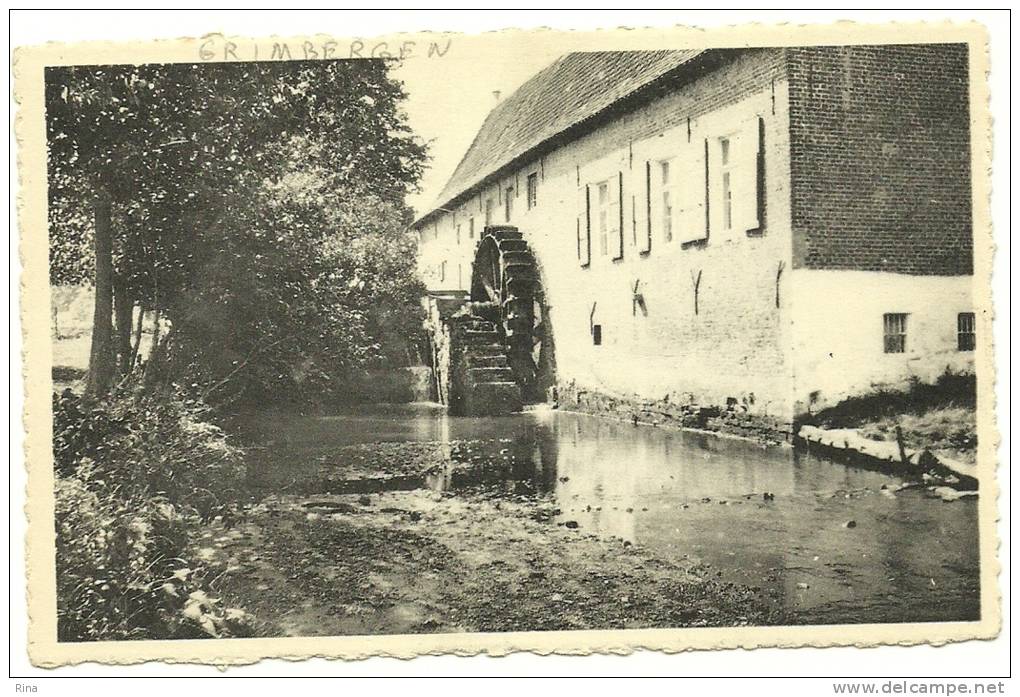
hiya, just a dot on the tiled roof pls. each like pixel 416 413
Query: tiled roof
pixel 575 88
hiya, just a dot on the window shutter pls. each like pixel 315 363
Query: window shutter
pixel 708 191
pixel 759 179
pixel 646 241
pixel 691 192
pixel 632 226
pixel 584 236
pixel 616 243
pixel 654 200
pixel 746 193
pixel 580 259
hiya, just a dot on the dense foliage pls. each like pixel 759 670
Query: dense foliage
pixel 136 475
pixel 267 194
pixel 301 285
pixel 257 211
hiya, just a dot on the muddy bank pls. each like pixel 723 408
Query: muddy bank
pixel 937 468
pixel 348 510
pixel 937 446
pixel 926 429
pixel 421 561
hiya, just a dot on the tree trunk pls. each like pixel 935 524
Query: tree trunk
pixel 153 367
pixel 138 336
pixel 123 309
pixel 154 349
pixel 101 358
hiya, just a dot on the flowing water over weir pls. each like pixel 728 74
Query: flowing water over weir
pixel 838 544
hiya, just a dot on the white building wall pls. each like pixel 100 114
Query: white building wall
pixel 735 346
pixel 838 331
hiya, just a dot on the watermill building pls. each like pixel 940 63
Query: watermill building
pixel 757 231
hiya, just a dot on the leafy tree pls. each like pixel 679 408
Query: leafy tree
pixel 292 289
pixel 234 197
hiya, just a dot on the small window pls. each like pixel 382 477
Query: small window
pixel 442 271
pixel 490 206
pixel 532 190
pixel 508 201
pixel 965 335
pixel 471 228
pixel 596 334
pixel 458 233
pixel 895 332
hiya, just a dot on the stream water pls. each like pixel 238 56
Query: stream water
pixel 840 544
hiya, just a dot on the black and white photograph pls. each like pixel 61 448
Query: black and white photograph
pixel 518 335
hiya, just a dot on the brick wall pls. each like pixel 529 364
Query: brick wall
pixel 880 158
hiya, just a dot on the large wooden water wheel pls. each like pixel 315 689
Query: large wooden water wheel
pixel 505 289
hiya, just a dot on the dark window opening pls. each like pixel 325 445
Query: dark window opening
pixel 508 203
pixel 894 328
pixel 965 331
pixel 532 190
pixel 596 334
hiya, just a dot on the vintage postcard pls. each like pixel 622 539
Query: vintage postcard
pixel 526 341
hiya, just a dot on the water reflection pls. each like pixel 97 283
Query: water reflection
pixel 835 543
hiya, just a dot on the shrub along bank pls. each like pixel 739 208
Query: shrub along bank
pixel 136 475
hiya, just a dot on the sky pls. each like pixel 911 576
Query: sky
pixel 449 98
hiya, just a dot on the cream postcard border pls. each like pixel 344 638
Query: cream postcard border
pixel 45 651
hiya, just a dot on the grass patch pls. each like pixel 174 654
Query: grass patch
pixel 938 416
pixel 65 374
pixel 951 391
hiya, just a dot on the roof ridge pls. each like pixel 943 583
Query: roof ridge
pixel 562 95
pixel 439 202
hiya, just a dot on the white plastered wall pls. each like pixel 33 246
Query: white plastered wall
pixel 838 330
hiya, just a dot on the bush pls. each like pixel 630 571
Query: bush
pixel 135 477
pixel 950 390
pixel 147 445
pixel 305 285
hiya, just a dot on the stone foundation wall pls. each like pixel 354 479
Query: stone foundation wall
pixel 676 411
pixel 437 310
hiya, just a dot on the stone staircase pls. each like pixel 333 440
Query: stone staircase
pixel 483 382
